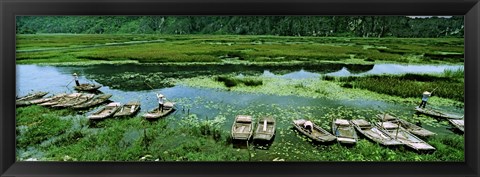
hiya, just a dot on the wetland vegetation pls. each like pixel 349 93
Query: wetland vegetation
pixel 213 76
pixel 110 48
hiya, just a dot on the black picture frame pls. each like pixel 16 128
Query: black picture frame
pixel 11 8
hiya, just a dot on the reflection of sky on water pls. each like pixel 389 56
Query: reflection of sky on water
pixel 398 69
pixel 377 69
pixel 302 74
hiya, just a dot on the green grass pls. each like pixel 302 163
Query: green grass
pixel 449 85
pixel 61 135
pixel 49 48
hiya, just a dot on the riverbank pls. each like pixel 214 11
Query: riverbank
pixel 92 49
pixel 134 139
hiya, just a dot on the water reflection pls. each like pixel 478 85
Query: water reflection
pixel 397 69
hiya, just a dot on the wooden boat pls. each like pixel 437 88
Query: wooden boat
pixel 412 128
pixel 398 133
pixel 40 100
pixel 87 87
pixel 32 96
pixel 128 109
pixel 61 100
pixel 344 131
pixel 242 128
pixel 436 113
pixel 156 113
pixel 265 129
pixel 75 101
pixel 374 133
pixel 105 112
pixel 98 99
pixel 459 124
pixel 318 134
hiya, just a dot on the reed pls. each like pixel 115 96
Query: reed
pixel 58 48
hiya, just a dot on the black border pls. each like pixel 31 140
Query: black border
pixel 10 8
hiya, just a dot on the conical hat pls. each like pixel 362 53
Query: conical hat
pixel 75 74
pixel 160 96
pixel 426 92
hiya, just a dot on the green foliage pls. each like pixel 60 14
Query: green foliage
pixel 228 81
pixel 39 124
pixel 317 26
pixel 94 48
pixel 234 81
pixel 411 85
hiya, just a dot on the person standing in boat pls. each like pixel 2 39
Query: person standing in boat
pixel 425 97
pixel 161 101
pixel 75 76
pixel 308 125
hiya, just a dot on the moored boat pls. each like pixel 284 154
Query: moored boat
pixel 265 129
pixel 459 124
pixel 242 128
pixel 344 131
pixel 374 133
pixel 318 134
pixel 400 134
pixel 40 100
pixel 157 113
pixel 437 113
pixel 32 96
pixel 412 128
pixel 75 101
pixel 129 109
pixel 105 112
pixel 96 100
pixel 61 100
pixel 87 87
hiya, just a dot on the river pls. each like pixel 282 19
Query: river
pixel 208 103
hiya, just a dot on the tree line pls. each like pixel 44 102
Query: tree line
pixel 338 26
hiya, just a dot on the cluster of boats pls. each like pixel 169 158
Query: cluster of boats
pixel 387 131
pixel 79 101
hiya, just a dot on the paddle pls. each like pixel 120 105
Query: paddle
pixel 69 82
pixel 148 85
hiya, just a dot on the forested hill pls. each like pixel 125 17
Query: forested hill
pixel 341 26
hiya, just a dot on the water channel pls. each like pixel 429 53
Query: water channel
pixel 208 103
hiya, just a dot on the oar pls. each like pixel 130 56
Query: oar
pixel 148 85
pixel 69 82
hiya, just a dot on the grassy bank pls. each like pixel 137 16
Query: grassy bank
pixel 448 85
pixel 73 49
pixel 64 136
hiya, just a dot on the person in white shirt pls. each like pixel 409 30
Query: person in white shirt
pixel 308 125
pixel 160 101
pixel 425 97
pixel 76 79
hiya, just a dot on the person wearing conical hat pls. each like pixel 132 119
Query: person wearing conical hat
pixel 75 76
pixel 425 97
pixel 160 101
